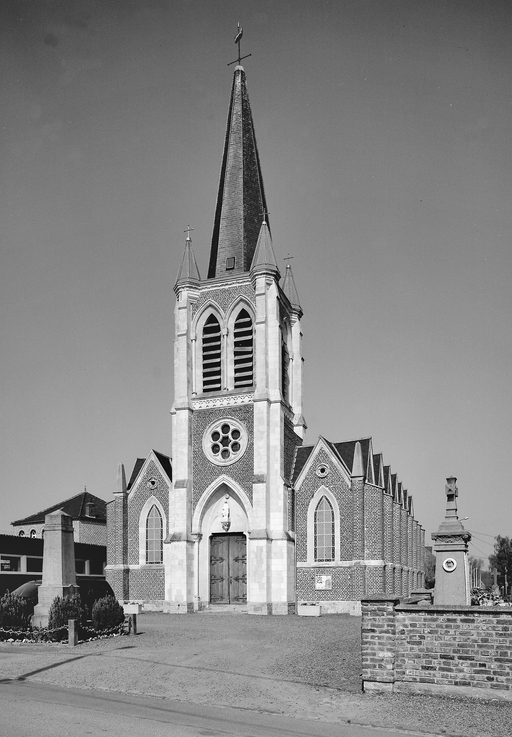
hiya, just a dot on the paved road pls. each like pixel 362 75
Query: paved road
pixel 35 710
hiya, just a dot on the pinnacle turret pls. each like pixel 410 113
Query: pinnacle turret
pixel 264 256
pixel 188 269
pixel 290 290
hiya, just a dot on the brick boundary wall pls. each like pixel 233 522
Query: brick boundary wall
pixel 446 650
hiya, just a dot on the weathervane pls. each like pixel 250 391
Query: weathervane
pixel 238 38
pixel 187 231
pixel 287 258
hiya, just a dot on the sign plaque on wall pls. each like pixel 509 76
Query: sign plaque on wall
pixel 322 583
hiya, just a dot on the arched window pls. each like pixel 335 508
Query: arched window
pixel 211 355
pixel 21 533
pixel 154 537
pixel 33 533
pixel 243 359
pixel 324 531
pixel 285 367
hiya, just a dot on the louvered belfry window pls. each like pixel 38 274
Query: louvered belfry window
pixel 243 350
pixel 211 355
pixel 154 537
pixel 324 531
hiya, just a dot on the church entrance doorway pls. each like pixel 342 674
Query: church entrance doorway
pixel 228 569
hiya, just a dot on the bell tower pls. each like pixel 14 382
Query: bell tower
pixel 237 413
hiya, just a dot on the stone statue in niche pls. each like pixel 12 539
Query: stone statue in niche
pixel 226 514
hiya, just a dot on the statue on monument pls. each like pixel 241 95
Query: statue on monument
pixel 451 549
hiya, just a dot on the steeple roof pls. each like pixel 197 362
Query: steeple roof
pixel 188 269
pixel 264 256
pixel 289 288
pixel 241 204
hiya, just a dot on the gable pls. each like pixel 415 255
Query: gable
pixel 323 453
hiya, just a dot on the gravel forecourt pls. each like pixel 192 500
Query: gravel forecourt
pixel 303 667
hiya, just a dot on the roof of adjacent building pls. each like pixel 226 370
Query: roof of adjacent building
pixel 241 204
pixel 75 506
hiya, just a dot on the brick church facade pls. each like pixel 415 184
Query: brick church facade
pixel 245 514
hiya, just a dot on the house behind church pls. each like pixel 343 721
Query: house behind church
pixel 87 511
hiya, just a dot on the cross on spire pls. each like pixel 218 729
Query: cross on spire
pixel 238 38
pixel 187 231
pixel 287 258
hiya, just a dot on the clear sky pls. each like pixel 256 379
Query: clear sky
pixel 384 132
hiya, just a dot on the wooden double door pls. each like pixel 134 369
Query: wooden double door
pixel 228 569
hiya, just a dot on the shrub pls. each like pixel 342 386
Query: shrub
pixel 107 613
pixel 15 612
pixel 64 608
pixel 92 590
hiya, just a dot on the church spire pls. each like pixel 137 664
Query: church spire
pixel 241 198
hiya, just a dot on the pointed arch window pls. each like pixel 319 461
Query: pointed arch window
pixel 324 531
pixel 211 346
pixel 285 367
pixel 243 359
pixel 154 536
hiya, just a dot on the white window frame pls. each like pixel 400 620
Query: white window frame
pixel 151 502
pixel 321 492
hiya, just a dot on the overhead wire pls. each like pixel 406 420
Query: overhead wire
pixel 482 541
pixel 480 551
pixel 485 534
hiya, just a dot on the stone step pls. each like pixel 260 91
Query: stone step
pixel 224 609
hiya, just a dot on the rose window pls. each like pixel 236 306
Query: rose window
pixel 224 442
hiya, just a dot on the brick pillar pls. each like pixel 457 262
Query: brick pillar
pixel 378 642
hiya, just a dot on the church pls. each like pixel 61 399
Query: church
pixel 245 515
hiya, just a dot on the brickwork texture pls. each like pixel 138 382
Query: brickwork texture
pixel 376 544
pixel 204 471
pixel 437 649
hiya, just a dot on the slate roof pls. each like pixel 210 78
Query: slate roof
pixel 164 460
pixel 138 465
pixel 371 462
pixel 166 463
pixel 387 478
pixel 377 458
pixel 301 456
pixel 75 506
pixel 346 451
pixel 241 204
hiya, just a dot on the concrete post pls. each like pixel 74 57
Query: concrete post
pixel 72 633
